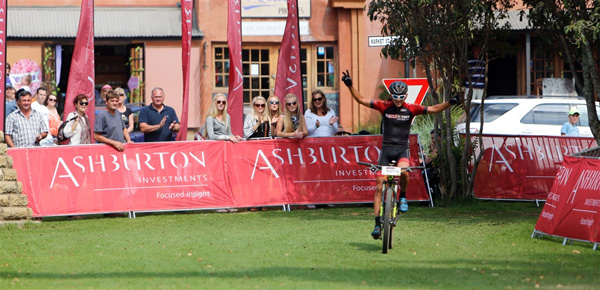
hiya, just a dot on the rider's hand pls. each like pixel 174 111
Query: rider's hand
pixel 454 100
pixel 346 78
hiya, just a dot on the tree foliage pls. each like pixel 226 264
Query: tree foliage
pixel 573 28
pixel 438 37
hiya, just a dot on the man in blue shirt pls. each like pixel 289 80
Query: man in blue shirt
pixel 157 121
pixel 569 128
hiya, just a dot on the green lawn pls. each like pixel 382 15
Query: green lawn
pixel 485 245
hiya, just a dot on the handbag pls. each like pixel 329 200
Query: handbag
pixel 60 135
pixel 262 131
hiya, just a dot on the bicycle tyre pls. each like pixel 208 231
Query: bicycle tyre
pixel 387 219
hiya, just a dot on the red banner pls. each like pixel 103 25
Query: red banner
pixel 289 74
pixel 3 75
pixel 186 43
pixel 81 74
pixel 522 167
pixel 203 175
pixel 235 97
pixel 572 207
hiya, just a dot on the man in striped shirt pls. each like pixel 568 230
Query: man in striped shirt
pixel 25 127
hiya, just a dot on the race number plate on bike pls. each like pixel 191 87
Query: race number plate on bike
pixel 391 170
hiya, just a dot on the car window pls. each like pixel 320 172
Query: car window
pixel 583 114
pixel 547 114
pixel 491 112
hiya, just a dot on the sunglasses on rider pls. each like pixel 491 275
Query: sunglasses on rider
pixel 291 103
pixel 317 99
pixel 274 102
pixel 399 97
pixel 259 105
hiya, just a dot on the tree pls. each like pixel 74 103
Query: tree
pixel 437 35
pixel 573 26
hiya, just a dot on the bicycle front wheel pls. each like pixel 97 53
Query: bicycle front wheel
pixel 387 219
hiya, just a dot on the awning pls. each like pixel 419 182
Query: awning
pixel 109 22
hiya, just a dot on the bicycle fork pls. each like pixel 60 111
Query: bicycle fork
pixel 386 185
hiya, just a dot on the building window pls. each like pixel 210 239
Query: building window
pixel 257 72
pixel 325 66
pixel 259 64
pixel 221 58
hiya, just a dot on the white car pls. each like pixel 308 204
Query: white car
pixel 527 116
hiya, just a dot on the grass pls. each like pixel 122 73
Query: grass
pixel 484 245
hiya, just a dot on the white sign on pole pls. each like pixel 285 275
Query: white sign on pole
pixel 380 40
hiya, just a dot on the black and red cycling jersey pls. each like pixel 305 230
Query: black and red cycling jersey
pixel 397 120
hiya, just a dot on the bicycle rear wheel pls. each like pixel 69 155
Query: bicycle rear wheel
pixel 387 219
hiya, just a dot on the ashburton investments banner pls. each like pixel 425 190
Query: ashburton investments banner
pixel 202 175
pixel 522 167
pixel 235 98
pixel 81 74
pixel 289 74
pixel 573 203
pixel 186 42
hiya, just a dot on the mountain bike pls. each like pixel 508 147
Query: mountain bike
pixel 389 212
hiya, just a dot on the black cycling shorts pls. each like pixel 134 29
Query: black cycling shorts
pixel 393 152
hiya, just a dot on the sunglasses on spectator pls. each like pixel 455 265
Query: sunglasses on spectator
pixel 291 103
pixel 83 103
pixel 51 100
pixel 221 102
pixel 399 97
pixel 259 105
pixel 121 94
pixel 317 99
pixel 273 102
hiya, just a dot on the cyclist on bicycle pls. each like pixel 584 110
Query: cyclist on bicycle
pixel 395 126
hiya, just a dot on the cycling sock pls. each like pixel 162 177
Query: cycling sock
pixel 377 221
pixel 402 194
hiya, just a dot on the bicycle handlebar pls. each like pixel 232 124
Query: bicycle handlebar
pixel 375 167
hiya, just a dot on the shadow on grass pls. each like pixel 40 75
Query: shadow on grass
pixel 382 271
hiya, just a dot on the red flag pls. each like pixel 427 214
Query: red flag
pixel 289 75
pixel 236 77
pixel 81 74
pixel 2 59
pixel 186 42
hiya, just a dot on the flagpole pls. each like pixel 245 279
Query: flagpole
pixel 4 17
pixel 300 54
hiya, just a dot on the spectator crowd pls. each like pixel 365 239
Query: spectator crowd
pixel 33 120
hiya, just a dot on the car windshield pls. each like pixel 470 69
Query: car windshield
pixel 491 112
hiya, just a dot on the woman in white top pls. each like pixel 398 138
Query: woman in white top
pixel 257 123
pixel 78 128
pixel 321 121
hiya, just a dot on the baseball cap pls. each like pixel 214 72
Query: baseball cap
pixel 573 112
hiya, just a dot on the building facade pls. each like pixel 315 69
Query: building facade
pixel 142 38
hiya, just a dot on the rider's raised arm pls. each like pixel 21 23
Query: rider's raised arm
pixel 359 98
pixel 355 94
pixel 443 106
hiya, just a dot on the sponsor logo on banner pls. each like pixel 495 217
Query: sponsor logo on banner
pixel 573 204
pixel 524 167
pixel 208 174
